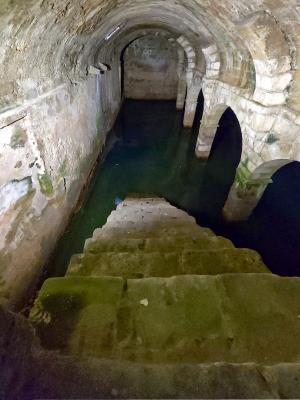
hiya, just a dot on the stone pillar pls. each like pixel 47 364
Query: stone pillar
pixel 243 198
pixel 190 109
pixel 194 84
pixel 182 85
pixel 205 140
pixel 181 93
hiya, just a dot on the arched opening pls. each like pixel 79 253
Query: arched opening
pixel 274 227
pixel 199 113
pixel 194 133
pixel 221 167
pixel 149 69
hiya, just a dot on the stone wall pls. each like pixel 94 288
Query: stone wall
pixel 48 147
pixel 150 69
pixel 270 140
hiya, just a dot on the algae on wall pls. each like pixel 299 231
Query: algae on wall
pixel 19 138
pixel 46 184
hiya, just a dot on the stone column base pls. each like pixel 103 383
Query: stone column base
pixel 202 153
pixel 239 208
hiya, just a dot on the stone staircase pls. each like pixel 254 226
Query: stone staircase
pixel 158 307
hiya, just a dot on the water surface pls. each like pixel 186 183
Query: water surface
pixel 154 154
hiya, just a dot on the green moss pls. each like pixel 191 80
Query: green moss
pixel 242 175
pixel 271 138
pixel 63 169
pixel 58 311
pixel 46 185
pixel 55 316
pixel 19 138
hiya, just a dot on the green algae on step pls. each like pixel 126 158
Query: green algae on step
pixel 149 237
pixel 194 319
pixel 165 264
pixel 58 308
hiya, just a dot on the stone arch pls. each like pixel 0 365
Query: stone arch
pixel 213 61
pixel 267 169
pixel 209 126
pixel 223 160
pixel 199 114
pixel 182 85
pixel 271 56
pixel 194 74
pixel 190 53
pixel 249 188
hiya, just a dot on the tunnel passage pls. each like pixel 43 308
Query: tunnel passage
pixel 150 69
pixel 61 93
pixel 198 115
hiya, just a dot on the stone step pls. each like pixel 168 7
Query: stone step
pixel 233 318
pixel 148 231
pixel 92 378
pixel 107 244
pixel 163 211
pixel 166 264
pixel 148 214
pixel 152 224
pixel 30 372
pixel 143 202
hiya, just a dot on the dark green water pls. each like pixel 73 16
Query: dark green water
pixel 153 154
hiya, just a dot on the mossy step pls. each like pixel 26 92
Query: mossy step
pixel 235 318
pixel 103 244
pixel 166 264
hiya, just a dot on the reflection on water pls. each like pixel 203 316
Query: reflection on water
pixel 153 154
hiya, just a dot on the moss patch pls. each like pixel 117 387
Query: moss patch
pixel 58 312
pixel 242 175
pixel 63 169
pixel 19 138
pixel 271 138
pixel 46 184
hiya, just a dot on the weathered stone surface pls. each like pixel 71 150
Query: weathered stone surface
pixel 149 237
pixel 235 318
pixel 185 336
pixel 12 192
pixel 28 372
pixel 52 109
pixel 161 263
pixel 148 62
